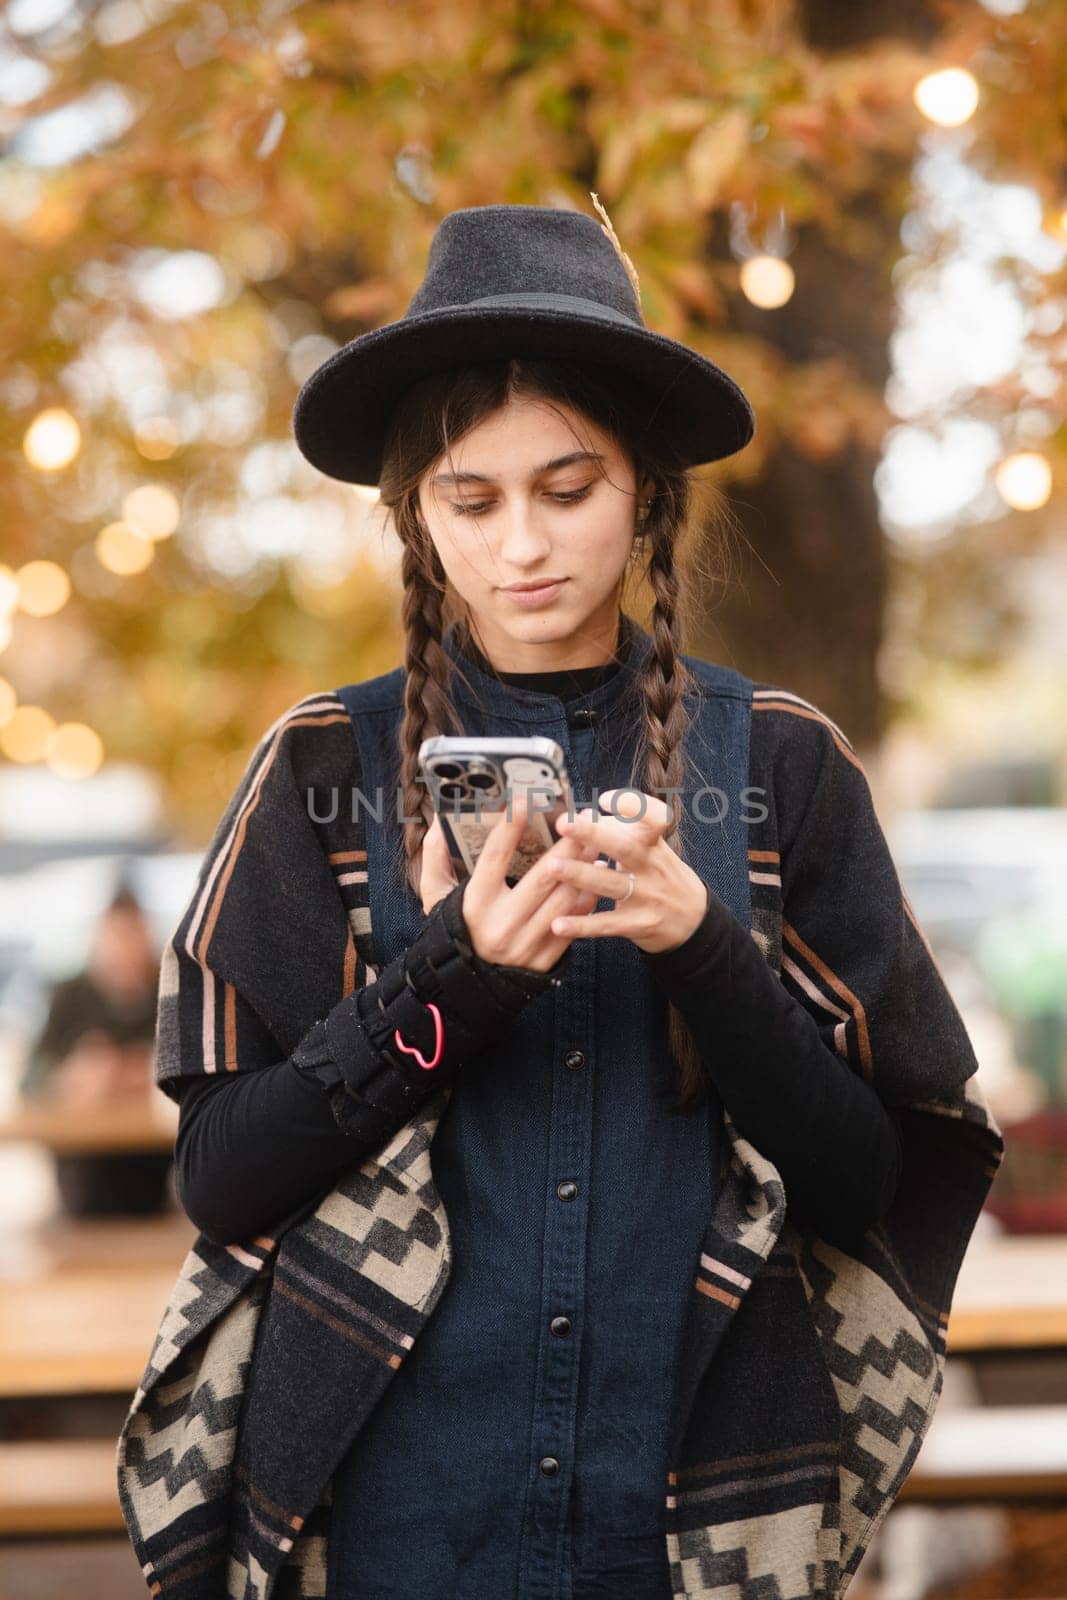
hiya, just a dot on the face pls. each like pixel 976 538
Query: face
pixel 532 494
pixel 121 946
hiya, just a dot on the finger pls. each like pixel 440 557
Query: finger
pixel 622 841
pixel 562 900
pixel 597 925
pixel 535 899
pixel 437 874
pixel 634 803
pixel 529 894
pixel 562 893
pixel 490 870
pixel 595 877
pixel 435 850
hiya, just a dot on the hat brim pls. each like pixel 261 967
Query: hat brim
pixel 342 412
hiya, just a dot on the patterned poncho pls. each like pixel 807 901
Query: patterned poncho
pixel 809 1375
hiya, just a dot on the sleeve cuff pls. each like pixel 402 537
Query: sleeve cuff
pixel 705 946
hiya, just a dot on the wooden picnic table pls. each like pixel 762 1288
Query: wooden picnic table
pixel 996 1453
pixel 129 1122
pixel 1011 1295
pixel 81 1300
pixel 58 1486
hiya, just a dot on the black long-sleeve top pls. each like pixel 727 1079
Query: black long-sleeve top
pixel 252 1147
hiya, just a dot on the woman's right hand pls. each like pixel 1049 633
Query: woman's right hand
pixel 513 926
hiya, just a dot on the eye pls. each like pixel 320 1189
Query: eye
pixel 572 495
pixel 475 508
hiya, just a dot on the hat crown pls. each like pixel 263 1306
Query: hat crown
pixel 539 283
pixel 482 252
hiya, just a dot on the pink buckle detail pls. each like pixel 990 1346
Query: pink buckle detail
pixel 439 1039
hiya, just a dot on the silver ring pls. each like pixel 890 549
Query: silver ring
pixel 629 891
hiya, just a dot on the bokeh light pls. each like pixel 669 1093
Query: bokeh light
pixel 9 590
pixel 152 510
pixel 122 550
pixel 24 736
pixel 948 98
pixel 52 440
pixel 43 588
pixel 767 281
pixel 1024 480
pixel 156 438
pixel 74 750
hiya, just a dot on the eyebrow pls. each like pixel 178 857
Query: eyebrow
pixel 546 466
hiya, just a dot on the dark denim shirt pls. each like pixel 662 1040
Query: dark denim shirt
pixel 522 1448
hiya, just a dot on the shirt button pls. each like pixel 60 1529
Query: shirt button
pixel 567 1189
pixel 573 1060
pixel 560 1326
pixel 583 717
pixel 549 1466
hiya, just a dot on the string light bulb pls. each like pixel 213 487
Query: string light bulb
pixel 9 590
pixel 152 510
pixel 24 736
pixel 156 438
pixel 52 440
pixel 767 281
pixel 122 550
pixel 948 98
pixel 74 750
pixel 1024 480
pixel 43 588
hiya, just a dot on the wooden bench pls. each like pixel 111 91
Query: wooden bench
pixel 59 1486
pixel 992 1453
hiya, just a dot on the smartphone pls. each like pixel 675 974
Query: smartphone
pixel 475 784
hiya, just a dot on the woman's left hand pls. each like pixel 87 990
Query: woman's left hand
pixel 669 900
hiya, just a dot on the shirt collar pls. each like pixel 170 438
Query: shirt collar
pixel 529 705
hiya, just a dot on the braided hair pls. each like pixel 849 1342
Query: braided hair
pixel 431 416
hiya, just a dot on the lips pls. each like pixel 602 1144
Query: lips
pixel 531 599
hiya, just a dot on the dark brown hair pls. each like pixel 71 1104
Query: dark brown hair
pixel 432 415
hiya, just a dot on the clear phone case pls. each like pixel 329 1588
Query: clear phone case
pixel 475 783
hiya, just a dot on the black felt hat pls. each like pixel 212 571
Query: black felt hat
pixel 515 280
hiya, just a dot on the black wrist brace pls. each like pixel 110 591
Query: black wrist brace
pixel 374 1087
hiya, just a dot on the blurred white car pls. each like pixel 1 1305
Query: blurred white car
pixel 963 869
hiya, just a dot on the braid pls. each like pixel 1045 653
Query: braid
pixel 428 707
pixel 664 677
pixel 664 680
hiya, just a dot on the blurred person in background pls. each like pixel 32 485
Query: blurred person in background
pixel 95 1048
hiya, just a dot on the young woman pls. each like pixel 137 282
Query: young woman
pixel 677 998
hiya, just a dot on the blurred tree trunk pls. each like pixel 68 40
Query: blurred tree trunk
pixel 804 605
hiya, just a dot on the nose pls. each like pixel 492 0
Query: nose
pixel 524 542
